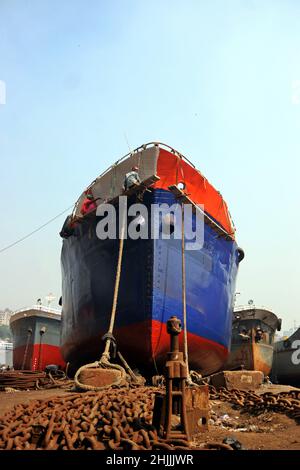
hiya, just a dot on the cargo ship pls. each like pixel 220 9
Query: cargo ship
pixel 151 277
pixel 286 361
pixel 36 338
pixel 252 344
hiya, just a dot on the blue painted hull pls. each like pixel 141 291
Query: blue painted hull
pixel 150 292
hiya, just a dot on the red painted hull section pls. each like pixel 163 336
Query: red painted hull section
pixel 45 354
pixel 205 356
pixel 172 169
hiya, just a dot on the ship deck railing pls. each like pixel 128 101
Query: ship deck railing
pixel 42 308
pixel 173 151
pixel 244 308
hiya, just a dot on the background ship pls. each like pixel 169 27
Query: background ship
pixel 253 332
pixel 286 361
pixel 150 287
pixel 36 338
pixel 6 356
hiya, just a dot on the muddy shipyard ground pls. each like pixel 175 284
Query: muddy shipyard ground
pixel 268 430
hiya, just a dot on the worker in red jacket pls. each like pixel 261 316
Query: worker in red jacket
pixel 88 205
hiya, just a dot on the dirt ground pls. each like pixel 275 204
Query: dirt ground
pixel 268 431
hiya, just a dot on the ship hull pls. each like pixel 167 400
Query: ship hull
pixel 247 350
pixel 286 361
pixel 6 354
pixel 150 292
pixel 251 357
pixel 31 349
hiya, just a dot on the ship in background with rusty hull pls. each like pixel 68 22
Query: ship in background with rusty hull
pixel 252 343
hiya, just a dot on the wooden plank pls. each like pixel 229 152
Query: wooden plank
pixel 179 194
pixel 134 190
pixel 143 185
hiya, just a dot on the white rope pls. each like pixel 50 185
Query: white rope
pixel 104 360
pixel 185 342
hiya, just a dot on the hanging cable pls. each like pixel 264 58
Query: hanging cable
pixel 185 341
pixel 34 231
pixel 185 338
pixel 29 333
pixel 104 363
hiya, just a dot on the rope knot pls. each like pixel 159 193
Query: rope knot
pixel 174 326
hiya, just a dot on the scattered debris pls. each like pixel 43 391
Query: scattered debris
pixel 234 443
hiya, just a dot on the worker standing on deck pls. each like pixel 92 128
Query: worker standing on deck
pixel 88 205
pixel 132 178
pixel 259 335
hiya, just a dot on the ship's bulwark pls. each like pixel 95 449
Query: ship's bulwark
pixel 150 292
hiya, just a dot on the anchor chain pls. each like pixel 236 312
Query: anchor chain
pixel 283 402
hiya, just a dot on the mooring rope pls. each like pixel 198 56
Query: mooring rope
pixel 185 342
pixel 104 360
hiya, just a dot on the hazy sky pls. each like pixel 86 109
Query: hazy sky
pixel 218 80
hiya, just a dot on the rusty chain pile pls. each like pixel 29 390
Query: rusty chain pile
pixel 283 402
pixel 117 419
pixel 29 380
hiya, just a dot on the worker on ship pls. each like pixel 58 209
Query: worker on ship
pixel 259 334
pixel 244 335
pixel 132 178
pixel 89 204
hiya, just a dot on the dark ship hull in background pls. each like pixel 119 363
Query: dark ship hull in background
pixel 36 338
pixel 286 361
pixel 252 344
pixel 150 286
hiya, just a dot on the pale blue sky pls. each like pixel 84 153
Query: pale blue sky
pixel 214 79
